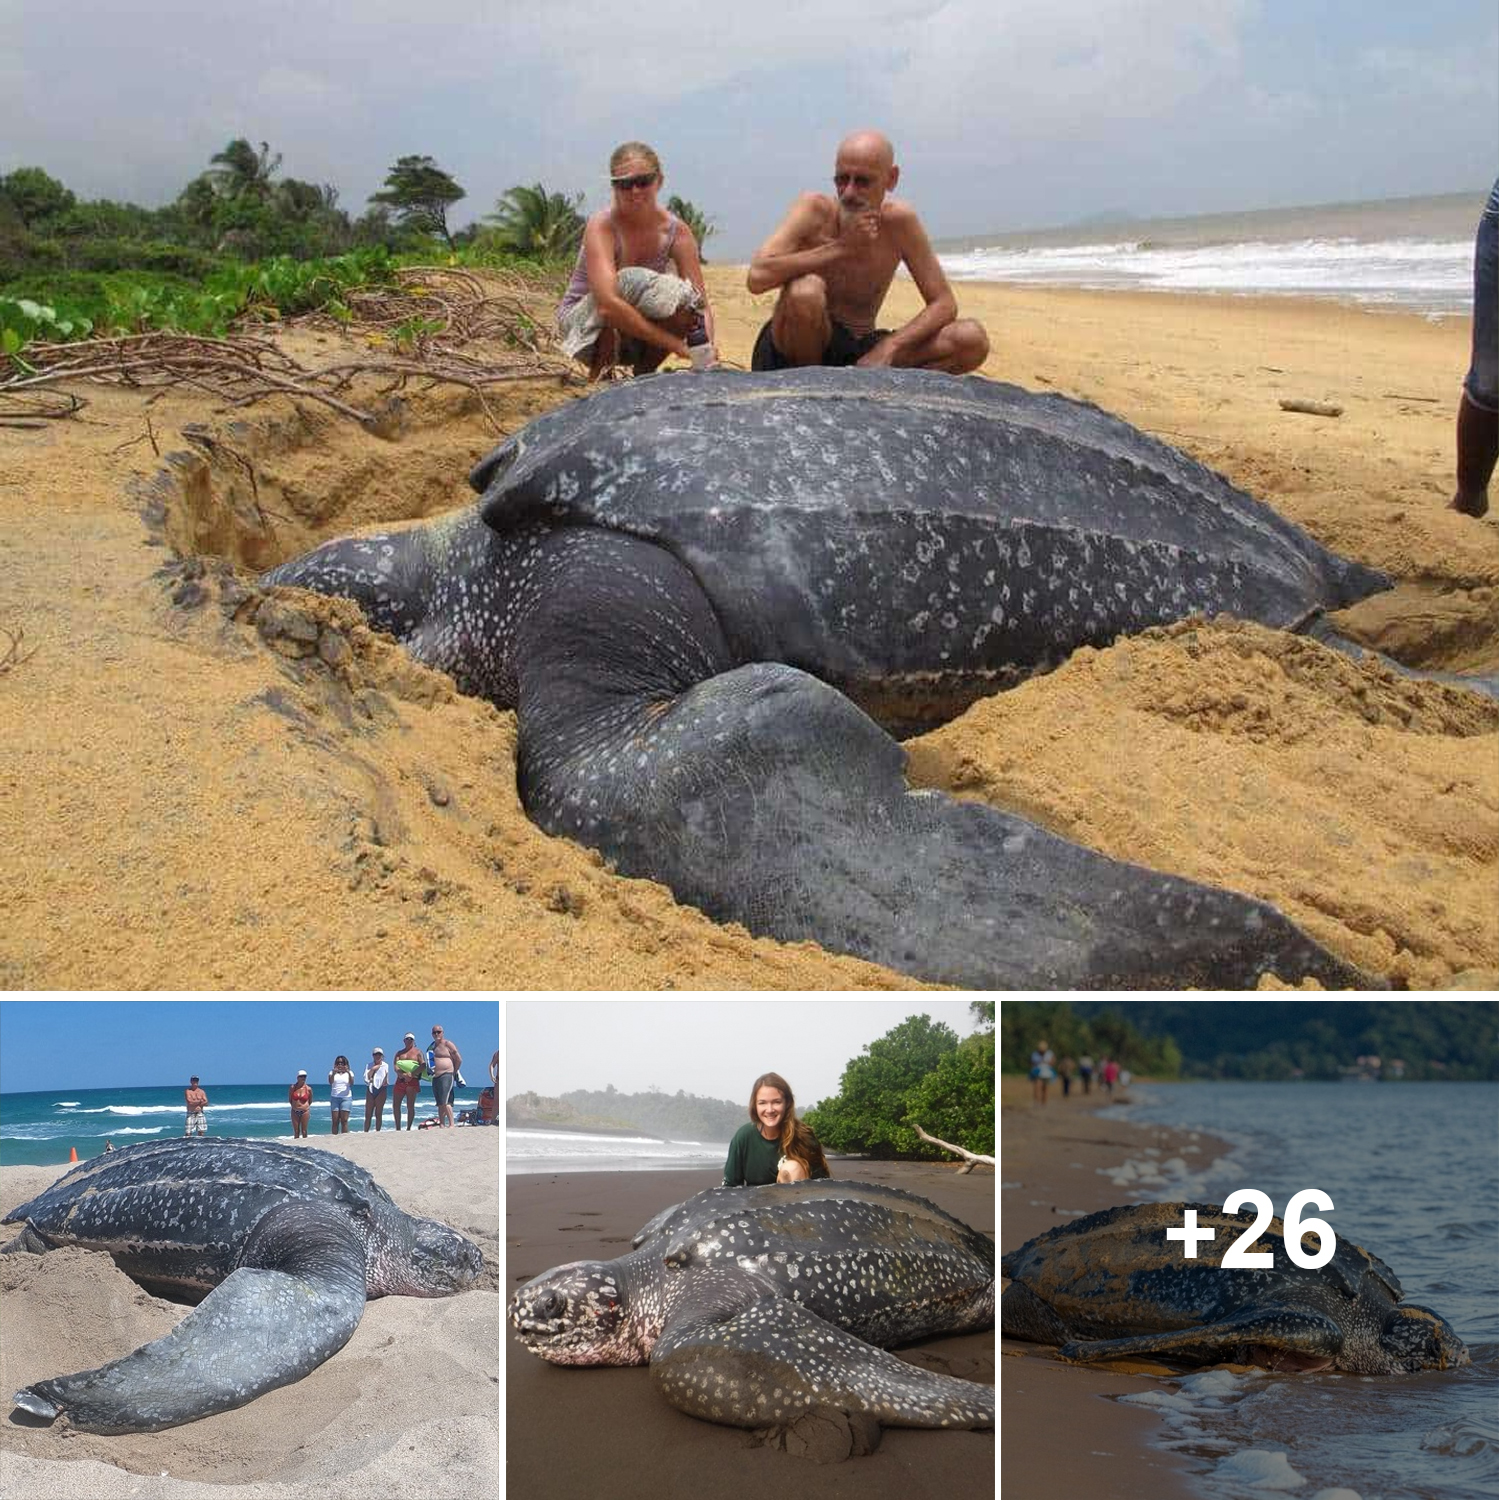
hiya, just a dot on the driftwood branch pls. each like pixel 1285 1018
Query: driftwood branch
pixel 440 325
pixel 12 655
pixel 971 1158
pixel 1313 408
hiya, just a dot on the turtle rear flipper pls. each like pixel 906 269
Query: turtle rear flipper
pixel 295 1300
pixel 1257 1335
pixel 735 1352
pixel 764 796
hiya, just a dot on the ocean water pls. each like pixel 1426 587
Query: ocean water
pixel 1406 254
pixel 567 1151
pixel 38 1129
pixel 1411 1169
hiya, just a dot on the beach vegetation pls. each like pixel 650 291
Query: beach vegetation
pixel 532 221
pixel 695 219
pixel 1392 1040
pixel 241 241
pixel 918 1073
pixel 421 193
pixel 679 1116
pixel 1070 1034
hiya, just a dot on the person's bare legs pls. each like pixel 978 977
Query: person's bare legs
pixel 800 326
pixel 957 348
pixel 1477 432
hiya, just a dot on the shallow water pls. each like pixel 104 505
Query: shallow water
pixel 1411 1171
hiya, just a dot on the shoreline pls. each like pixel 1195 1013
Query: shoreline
pixel 1057 1434
pixel 581 1431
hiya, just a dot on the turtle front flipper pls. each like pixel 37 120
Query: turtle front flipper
pixel 763 796
pixel 733 1351
pixel 1276 1337
pixel 296 1299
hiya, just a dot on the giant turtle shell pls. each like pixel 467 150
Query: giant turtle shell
pixel 1116 1272
pixel 896 532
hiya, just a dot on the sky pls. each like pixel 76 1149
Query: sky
pixel 713 1048
pixel 1006 114
pixel 98 1044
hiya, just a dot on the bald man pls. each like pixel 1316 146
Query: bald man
pixel 834 260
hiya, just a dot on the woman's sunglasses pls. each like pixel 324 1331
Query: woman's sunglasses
pixel 626 183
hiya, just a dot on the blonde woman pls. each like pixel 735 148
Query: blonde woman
pixel 775 1146
pixel 636 294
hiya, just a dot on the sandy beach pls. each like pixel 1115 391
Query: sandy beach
pixel 410 1403
pixel 184 805
pixel 572 1432
pixel 1057 1433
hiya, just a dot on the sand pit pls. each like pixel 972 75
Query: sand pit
pixel 200 795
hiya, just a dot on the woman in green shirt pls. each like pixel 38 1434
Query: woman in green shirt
pixel 775 1146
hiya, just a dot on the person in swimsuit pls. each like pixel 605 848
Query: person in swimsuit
pixel 834 260
pixel 409 1062
pixel 636 294
pixel 300 1098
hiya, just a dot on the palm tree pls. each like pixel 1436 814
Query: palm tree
pixel 240 171
pixel 532 221
pixel 693 217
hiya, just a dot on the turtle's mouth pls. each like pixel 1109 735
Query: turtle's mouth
pixel 572 1317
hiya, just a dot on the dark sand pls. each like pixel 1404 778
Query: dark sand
pixel 581 1432
pixel 1059 1434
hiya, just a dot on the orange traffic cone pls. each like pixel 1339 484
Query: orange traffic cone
pixel 72 1153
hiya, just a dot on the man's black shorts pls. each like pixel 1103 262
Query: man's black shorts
pixel 844 348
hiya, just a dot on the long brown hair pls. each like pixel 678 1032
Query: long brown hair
pixel 797 1139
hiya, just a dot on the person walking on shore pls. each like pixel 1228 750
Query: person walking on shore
pixel 1107 1075
pixel 409 1064
pixel 1043 1071
pixel 377 1076
pixel 1065 1072
pixel 1086 1071
pixel 775 1146
pixel 197 1103
pixel 834 259
pixel 445 1065
pixel 299 1096
pixel 340 1094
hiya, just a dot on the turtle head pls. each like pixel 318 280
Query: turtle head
pixel 1416 1338
pixel 577 1315
pixel 436 1262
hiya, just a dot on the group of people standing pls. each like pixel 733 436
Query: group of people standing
pixel 410 1065
pixel 1045 1067
pixel 637 292
pixel 401 1079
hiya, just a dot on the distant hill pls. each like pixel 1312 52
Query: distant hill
pixel 1267 1039
pixel 679 1116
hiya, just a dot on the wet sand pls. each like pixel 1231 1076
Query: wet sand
pixel 1059 1433
pixel 186 803
pixel 574 1431
pixel 410 1404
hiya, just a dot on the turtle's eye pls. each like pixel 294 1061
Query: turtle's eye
pixel 551 1304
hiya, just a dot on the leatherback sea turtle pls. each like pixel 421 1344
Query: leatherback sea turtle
pixel 697 590
pixel 287 1242
pixel 1112 1286
pixel 761 1306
